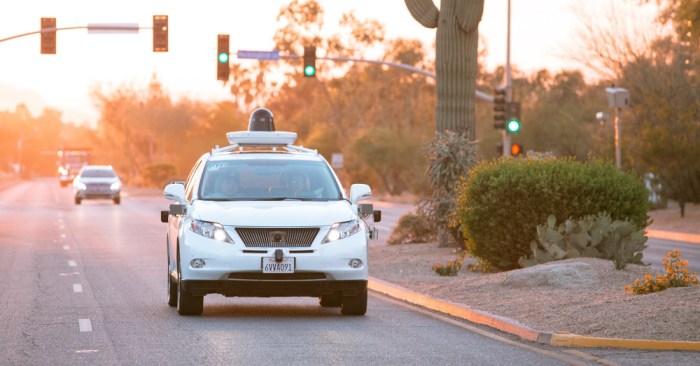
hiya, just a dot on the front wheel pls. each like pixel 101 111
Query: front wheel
pixel 187 304
pixel 77 200
pixel 172 291
pixel 116 200
pixel 354 305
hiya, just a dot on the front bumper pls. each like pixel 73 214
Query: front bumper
pixel 273 288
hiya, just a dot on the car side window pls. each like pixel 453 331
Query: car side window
pixel 191 180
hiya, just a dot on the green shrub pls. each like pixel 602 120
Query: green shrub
pixel 591 236
pixel 501 203
pixel 158 175
pixel 412 229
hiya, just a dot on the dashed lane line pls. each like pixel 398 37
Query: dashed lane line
pixel 85 325
pixel 72 264
pixel 77 287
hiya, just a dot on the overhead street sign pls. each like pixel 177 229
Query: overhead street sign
pixel 260 55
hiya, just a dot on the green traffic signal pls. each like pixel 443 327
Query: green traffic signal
pixel 223 57
pixel 513 126
pixel 309 70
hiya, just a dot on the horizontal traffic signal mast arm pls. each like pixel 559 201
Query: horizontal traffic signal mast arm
pixel 481 95
pixel 125 27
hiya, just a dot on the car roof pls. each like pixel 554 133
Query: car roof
pixel 97 167
pixel 265 156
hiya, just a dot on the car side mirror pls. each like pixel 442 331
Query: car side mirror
pixel 359 192
pixel 175 192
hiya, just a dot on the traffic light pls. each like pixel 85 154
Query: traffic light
pixel 499 108
pixel 160 33
pixel 513 117
pixel 310 61
pixel 48 38
pixel 516 150
pixel 222 55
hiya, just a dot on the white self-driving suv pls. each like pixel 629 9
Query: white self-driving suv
pixel 265 218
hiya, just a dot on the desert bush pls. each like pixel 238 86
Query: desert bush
pixel 676 275
pixel 157 175
pixel 412 229
pixel 450 156
pixel 451 268
pixel 501 203
pixel 592 236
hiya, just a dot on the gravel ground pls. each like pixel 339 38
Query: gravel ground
pixel 597 306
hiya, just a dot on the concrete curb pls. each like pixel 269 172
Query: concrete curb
pixel 513 327
pixel 675 236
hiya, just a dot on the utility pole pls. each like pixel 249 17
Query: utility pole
pixel 618 98
pixel 508 87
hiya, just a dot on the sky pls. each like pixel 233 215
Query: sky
pixel 540 31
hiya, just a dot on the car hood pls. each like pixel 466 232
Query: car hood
pixel 273 213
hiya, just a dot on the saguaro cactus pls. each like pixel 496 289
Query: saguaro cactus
pixel 457 24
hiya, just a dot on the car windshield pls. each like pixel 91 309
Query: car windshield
pixel 263 179
pixel 98 173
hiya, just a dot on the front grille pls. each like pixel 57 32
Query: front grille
pixel 300 276
pixel 98 187
pixel 278 237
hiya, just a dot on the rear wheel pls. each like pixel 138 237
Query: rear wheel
pixel 77 200
pixel 354 305
pixel 330 300
pixel 116 200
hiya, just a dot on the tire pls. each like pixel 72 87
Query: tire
pixel 330 300
pixel 77 200
pixel 354 305
pixel 117 200
pixel 187 304
pixel 172 291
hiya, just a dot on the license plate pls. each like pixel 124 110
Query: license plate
pixel 270 265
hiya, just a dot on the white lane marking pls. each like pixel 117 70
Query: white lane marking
pixel 65 247
pixel 77 287
pixel 63 236
pixel 85 325
pixel 61 226
pixel 72 264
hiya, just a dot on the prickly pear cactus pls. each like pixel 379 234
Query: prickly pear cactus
pixel 592 236
pixel 457 40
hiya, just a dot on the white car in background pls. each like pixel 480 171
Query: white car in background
pixel 265 218
pixel 97 182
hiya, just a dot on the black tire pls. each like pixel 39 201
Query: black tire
pixel 354 305
pixel 77 200
pixel 172 291
pixel 187 304
pixel 330 300
pixel 117 200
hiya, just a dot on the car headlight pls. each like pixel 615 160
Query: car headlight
pixel 342 230
pixel 115 186
pixel 80 186
pixel 211 230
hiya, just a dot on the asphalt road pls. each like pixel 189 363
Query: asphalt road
pixel 85 285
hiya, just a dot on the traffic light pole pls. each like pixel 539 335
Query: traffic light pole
pixel 508 87
pixel 90 27
pixel 481 95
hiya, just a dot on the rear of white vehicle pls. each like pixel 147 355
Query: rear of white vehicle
pixel 262 238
